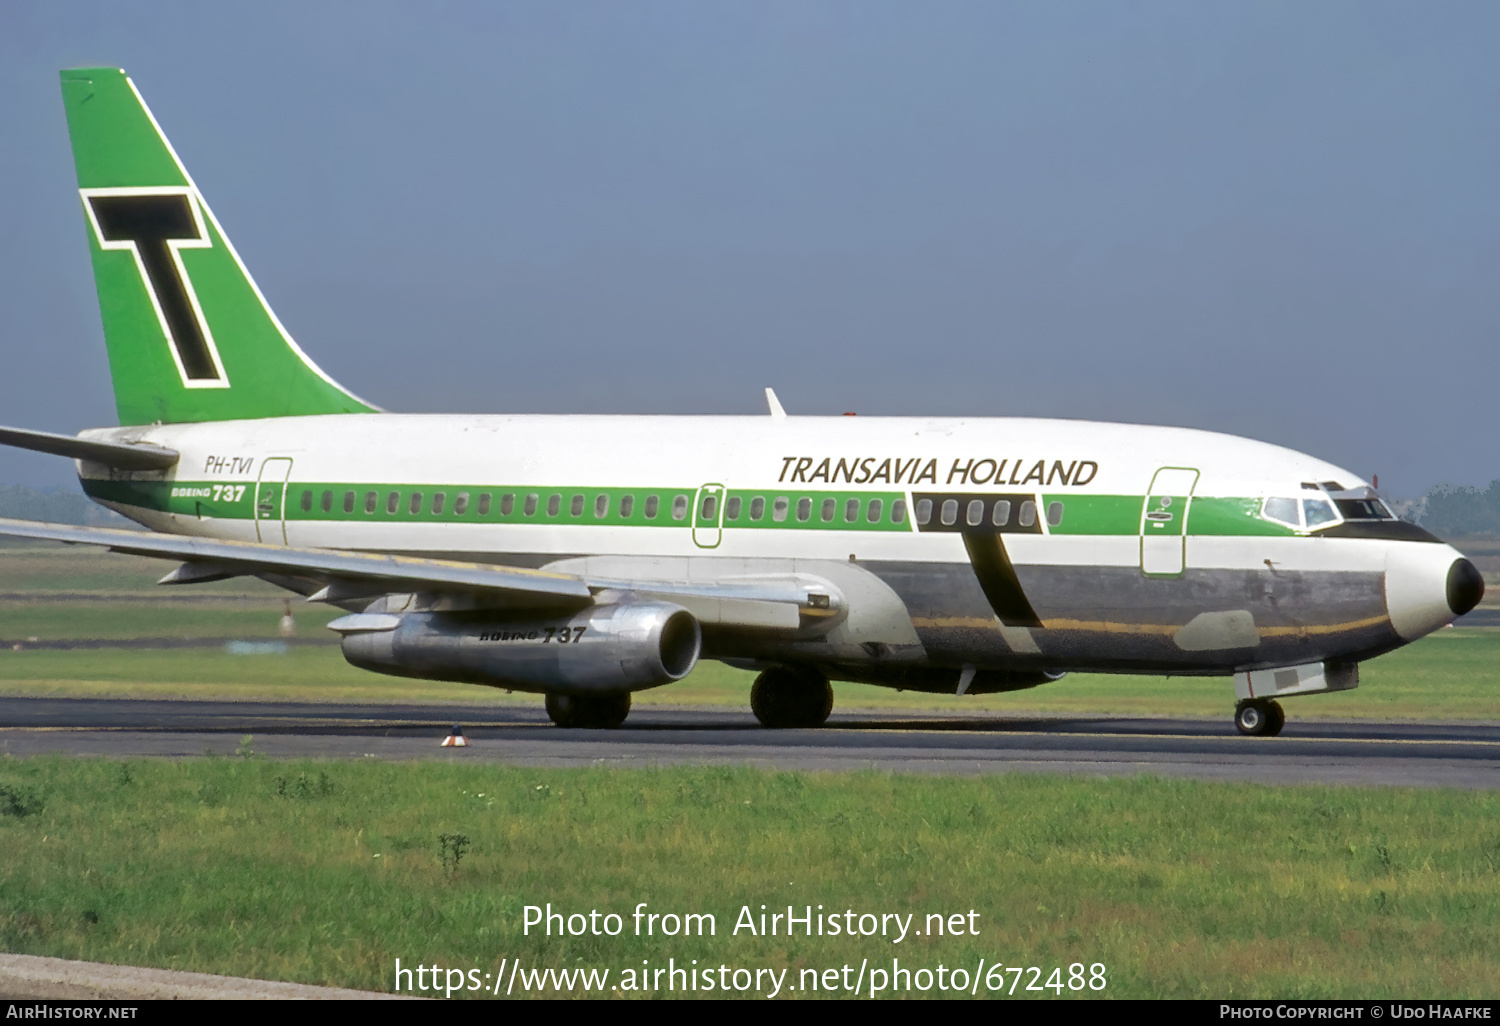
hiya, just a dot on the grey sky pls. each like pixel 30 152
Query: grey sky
pixel 1276 220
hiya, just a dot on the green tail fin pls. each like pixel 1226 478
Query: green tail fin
pixel 190 336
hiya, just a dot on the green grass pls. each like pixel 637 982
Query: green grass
pixel 327 873
pixel 1445 677
pixel 180 616
pixel 1448 676
pixel 1181 888
pixel 39 568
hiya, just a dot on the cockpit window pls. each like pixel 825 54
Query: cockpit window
pixel 1363 509
pixel 1283 511
pixel 1318 512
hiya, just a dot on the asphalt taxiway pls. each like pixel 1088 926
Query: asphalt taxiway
pixel 1347 752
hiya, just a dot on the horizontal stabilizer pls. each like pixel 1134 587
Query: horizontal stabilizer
pixel 121 455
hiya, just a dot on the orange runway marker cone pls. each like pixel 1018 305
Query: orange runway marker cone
pixel 456 738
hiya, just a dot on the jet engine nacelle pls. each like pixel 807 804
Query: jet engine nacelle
pixel 598 650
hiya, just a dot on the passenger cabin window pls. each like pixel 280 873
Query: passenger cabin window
pixel 732 508
pixel 924 512
pixel 307 501
pixel 348 502
pixel 601 506
pixel 1027 516
pixel 576 506
pixel 1318 512
pixel 710 508
pixel 872 512
pixel 484 504
pixel 460 504
pixel 507 504
pixel 851 510
pixel 328 502
pixel 898 511
pixel 1054 513
pixel 652 504
pixel 830 508
pixel 974 514
pixel 949 514
pixel 529 506
pixel 679 507
pixel 627 505
pixel 415 506
pixel 393 503
pixel 804 509
pixel 554 504
pixel 372 499
pixel 438 498
pixel 779 508
pixel 1363 509
pixel 757 507
pixel 1001 515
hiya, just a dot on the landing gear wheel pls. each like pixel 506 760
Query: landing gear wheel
pixel 1278 719
pixel 591 712
pixel 784 697
pixel 1259 718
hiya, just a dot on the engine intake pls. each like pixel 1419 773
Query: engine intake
pixel 599 650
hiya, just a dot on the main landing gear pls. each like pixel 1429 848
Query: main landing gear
pixel 596 712
pixel 784 696
pixel 1259 717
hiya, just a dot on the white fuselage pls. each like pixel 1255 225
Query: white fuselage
pixel 1089 563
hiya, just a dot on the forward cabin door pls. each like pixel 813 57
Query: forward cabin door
pixel 270 500
pixel 1164 516
pixel 708 516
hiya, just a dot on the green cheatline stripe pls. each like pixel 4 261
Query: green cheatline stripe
pixel 602 507
pixel 1121 515
pixel 1118 515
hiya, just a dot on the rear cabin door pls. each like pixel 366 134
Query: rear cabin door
pixel 270 500
pixel 1164 516
pixel 708 516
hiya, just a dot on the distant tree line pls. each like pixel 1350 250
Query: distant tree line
pixel 59 505
pixel 1451 512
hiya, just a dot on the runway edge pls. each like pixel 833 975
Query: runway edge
pixel 34 977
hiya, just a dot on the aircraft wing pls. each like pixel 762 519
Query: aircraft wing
pixel 775 602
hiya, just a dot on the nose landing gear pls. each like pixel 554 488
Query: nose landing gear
pixel 1259 717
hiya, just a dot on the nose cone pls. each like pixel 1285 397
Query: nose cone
pixel 1426 586
pixel 1465 586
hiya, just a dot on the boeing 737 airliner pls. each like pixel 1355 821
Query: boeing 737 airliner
pixel 586 557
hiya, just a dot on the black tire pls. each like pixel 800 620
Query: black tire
pixel 783 697
pixel 591 712
pixel 1278 718
pixel 1258 718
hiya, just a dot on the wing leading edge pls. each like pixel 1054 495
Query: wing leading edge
pixel 769 602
